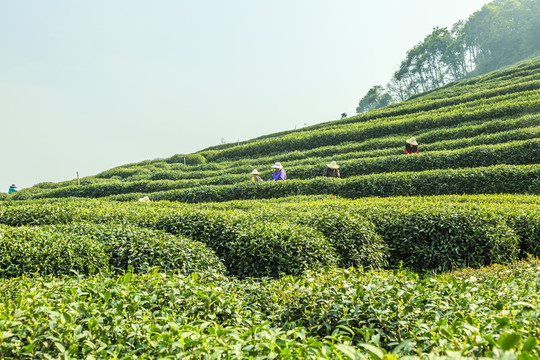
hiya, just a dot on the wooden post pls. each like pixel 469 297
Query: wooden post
pixel 78 180
pixel 184 160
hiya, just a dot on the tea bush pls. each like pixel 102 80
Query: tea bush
pixel 526 224
pixel 248 247
pixel 129 246
pixel 189 159
pixel 120 172
pixel 139 311
pixel 354 237
pixel 425 238
pixel 27 213
pixel 27 250
pixel 435 314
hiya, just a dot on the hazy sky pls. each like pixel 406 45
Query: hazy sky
pixel 89 85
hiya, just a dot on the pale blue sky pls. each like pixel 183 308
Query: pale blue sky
pixel 89 85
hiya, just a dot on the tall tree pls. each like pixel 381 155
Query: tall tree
pixel 501 33
pixel 375 98
pixel 504 32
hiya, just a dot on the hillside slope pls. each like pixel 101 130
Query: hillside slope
pixel 480 135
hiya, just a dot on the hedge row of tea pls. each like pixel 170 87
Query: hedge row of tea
pixel 85 248
pixel 264 238
pixel 246 245
pixel 482 180
pixel 333 314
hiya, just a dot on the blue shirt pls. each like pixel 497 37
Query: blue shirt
pixel 278 175
pixel 12 190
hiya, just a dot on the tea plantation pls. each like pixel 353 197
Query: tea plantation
pixel 425 256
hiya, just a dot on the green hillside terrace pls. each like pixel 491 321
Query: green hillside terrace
pixel 490 120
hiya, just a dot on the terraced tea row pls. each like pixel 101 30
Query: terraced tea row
pixel 85 248
pixel 487 132
pixel 490 132
pixel 507 105
pixel 513 179
pixel 511 153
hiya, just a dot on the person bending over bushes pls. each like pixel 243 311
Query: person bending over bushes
pixel 331 170
pixel 411 146
pixel 255 176
pixel 279 173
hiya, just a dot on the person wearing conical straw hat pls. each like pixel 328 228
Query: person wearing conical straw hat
pixel 411 146
pixel 279 173
pixel 12 189
pixel 332 170
pixel 255 176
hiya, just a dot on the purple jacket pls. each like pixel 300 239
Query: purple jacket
pixel 279 175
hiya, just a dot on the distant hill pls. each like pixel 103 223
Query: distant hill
pixel 479 135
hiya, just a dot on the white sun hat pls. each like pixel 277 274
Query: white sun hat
pixel 333 165
pixel 254 172
pixel 412 141
pixel 277 166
